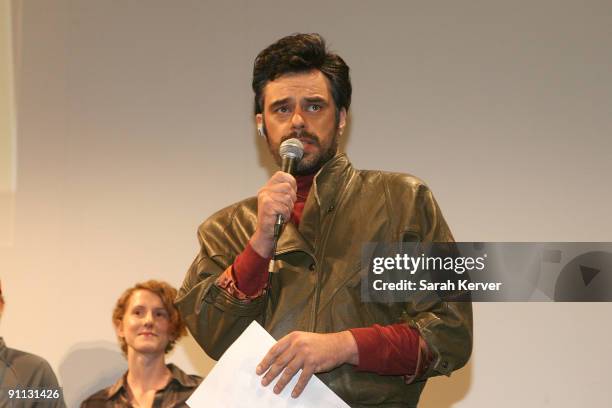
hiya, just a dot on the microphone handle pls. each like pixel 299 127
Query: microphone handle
pixel 287 165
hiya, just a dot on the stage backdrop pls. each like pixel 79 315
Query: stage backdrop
pixel 134 124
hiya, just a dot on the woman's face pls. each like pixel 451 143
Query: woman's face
pixel 146 324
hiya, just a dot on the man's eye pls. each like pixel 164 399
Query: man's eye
pixel 282 109
pixel 314 108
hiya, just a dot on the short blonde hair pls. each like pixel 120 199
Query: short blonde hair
pixel 167 294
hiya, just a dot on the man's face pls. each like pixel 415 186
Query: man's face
pixel 146 324
pixel 301 105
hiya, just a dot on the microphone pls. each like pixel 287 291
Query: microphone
pixel 291 152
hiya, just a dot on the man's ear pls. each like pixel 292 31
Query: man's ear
pixel 342 120
pixel 260 126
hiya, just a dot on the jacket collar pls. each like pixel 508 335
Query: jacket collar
pixel 331 180
pixel 328 183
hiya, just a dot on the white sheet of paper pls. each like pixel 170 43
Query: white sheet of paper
pixel 233 383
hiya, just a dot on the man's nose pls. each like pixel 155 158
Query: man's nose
pixel 297 120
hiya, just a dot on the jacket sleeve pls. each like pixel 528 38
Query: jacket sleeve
pixel 446 326
pixel 214 317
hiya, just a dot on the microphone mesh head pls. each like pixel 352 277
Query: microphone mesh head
pixel 292 148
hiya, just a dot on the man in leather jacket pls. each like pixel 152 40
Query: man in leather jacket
pixel 370 354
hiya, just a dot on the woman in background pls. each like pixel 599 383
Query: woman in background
pixel 147 326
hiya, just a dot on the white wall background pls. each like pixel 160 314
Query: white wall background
pixel 135 124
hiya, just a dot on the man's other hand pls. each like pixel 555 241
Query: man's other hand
pixel 310 352
pixel 277 196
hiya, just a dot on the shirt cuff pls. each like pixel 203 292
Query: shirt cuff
pixel 390 350
pixel 251 271
pixel 227 282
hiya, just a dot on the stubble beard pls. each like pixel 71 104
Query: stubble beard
pixel 310 162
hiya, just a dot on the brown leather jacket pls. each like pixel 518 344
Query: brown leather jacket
pixel 318 286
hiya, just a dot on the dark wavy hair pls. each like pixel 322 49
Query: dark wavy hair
pixel 301 53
